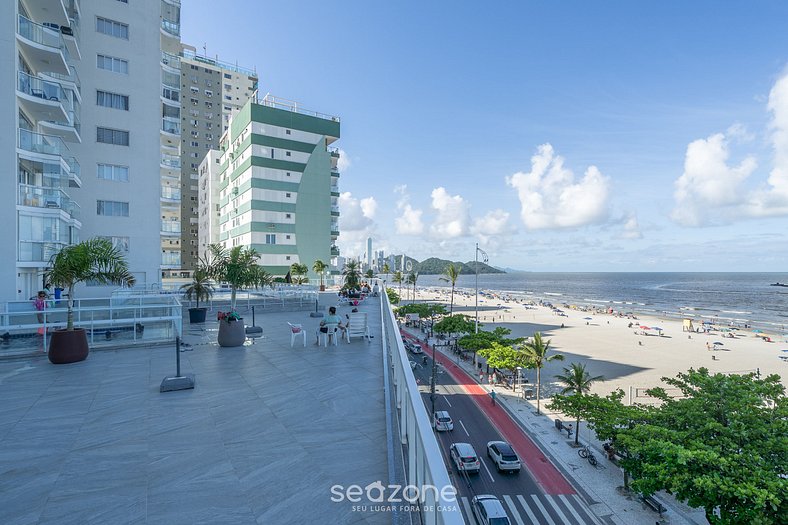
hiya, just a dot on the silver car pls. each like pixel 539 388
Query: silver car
pixel 488 510
pixel 504 456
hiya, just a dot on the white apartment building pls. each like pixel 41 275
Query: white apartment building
pixel 85 126
pixel 208 207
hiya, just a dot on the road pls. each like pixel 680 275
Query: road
pixel 539 494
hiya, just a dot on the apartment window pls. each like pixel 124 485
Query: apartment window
pixel 195 144
pixel 287 215
pixel 208 125
pixel 112 136
pixel 112 100
pixel 112 28
pixel 112 208
pixel 287 195
pixel 270 238
pixel 194 90
pixel 194 101
pixel 208 93
pixel 287 257
pixel 209 136
pixel 123 1
pixel 194 79
pixel 228 108
pixel 228 97
pixel 195 134
pixel 207 71
pixel 194 67
pixel 113 172
pixel 287 153
pixel 116 65
pixel 120 243
pixel 287 237
pixel 287 132
pixel 208 105
pixel 287 173
pixel 228 75
pixel 228 87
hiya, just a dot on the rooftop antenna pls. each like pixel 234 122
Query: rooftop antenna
pixel 205 49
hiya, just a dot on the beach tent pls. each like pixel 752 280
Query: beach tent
pixel 688 326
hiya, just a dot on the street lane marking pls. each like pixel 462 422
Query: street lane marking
pixel 587 510
pixel 531 515
pixel 447 401
pixel 571 508
pixel 513 509
pixel 558 510
pixel 467 507
pixel 464 429
pixel 488 470
pixel 542 509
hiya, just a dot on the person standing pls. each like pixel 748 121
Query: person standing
pixel 40 304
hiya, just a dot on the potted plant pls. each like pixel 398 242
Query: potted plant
pixel 237 267
pixel 319 267
pixel 94 260
pixel 199 289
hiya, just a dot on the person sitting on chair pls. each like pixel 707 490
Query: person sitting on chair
pixel 331 318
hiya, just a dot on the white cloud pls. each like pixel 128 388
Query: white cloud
pixel 710 190
pixel 409 223
pixel 632 228
pixel 344 162
pixel 355 214
pixel 452 215
pixel 492 229
pixel 550 198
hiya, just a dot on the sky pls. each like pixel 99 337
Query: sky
pixel 559 135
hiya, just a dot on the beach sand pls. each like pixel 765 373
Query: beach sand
pixel 627 358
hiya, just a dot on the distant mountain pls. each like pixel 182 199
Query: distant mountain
pixel 506 269
pixel 435 266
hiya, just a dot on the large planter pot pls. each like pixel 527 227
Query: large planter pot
pixel 197 315
pixel 231 333
pixel 68 346
pixel 322 287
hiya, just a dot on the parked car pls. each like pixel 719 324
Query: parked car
pixel 442 421
pixel 488 510
pixel 504 456
pixel 465 457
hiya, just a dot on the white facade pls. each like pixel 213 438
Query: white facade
pixel 209 200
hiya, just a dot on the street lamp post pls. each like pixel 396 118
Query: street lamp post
pixel 485 259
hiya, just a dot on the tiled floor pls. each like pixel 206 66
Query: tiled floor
pixel 261 439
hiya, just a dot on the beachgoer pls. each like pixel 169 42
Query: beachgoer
pixel 40 302
pixel 331 318
pixel 708 346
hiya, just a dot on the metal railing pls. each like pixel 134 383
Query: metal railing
pixel 425 466
pixel 191 55
pixel 125 317
pixel 290 105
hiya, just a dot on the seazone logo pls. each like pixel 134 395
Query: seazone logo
pixel 377 492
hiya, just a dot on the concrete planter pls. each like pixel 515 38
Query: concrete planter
pixel 231 333
pixel 68 346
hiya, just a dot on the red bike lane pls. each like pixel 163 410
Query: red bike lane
pixel 542 470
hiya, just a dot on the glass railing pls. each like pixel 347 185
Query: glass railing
pixel 171 259
pixel 171 161
pixel 73 166
pixel 43 89
pixel 170 126
pixel 39 197
pixel 40 143
pixel 170 193
pixel 334 209
pixel 40 34
pixel 173 61
pixel 71 77
pixel 73 122
pixel 170 227
pixel 171 94
pixel 334 188
pixel 171 27
pixel 73 209
pixel 38 251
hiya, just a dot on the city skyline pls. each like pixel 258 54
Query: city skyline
pixel 568 137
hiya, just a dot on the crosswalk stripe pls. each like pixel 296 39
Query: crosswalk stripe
pixel 513 509
pixel 527 509
pixel 581 504
pixel 467 506
pixel 571 508
pixel 542 509
pixel 557 509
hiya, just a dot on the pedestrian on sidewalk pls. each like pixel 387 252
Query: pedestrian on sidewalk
pixel 492 396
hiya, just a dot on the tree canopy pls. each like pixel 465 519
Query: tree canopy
pixel 454 324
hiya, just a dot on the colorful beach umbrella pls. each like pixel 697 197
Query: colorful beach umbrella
pixel 644 327
pixel 756 331
pixel 656 328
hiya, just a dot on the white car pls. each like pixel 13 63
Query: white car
pixel 504 456
pixel 442 421
pixel 488 510
pixel 465 458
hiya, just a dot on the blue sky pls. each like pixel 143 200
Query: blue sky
pixel 561 136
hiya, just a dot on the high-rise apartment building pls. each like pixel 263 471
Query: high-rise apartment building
pixel 83 131
pixel 211 91
pixel 278 184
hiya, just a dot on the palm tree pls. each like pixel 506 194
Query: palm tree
pixel 299 271
pixel 386 270
pixel 578 382
pixel 412 278
pixel 200 288
pixel 351 274
pixel 237 267
pixel 450 276
pixel 398 278
pixel 536 353
pixel 95 260
pixel 319 267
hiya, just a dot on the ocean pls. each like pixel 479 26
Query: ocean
pixel 736 298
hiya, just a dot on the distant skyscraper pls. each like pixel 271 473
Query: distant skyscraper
pixel 369 252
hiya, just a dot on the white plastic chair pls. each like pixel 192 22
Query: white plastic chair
pixel 295 331
pixel 357 326
pixel 330 333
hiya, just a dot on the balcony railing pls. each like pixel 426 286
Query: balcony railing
pixel 171 27
pixel 51 198
pixel 289 105
pixel 168 59
pixel 40 143
pixel 43 89
pixel 171 94
pixel 170 193
pixel 40 35
pixel 171 161
pixel 171 258
pixel 334 152
pixel 170 227
pixel 71 77
pixel 169 125
pixel 39 251
pixel 73 166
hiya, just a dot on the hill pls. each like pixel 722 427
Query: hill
pixel 435 266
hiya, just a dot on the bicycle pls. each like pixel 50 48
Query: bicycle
pixel 587 453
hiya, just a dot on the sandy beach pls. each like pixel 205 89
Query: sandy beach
pixel 629 357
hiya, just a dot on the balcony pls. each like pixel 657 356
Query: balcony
pixel 335 251
pixel 48 198
pixel 171 61
pixel 171 96
pixel 334 152
pixel 50 11
pixel 334 172
pixel 171 28
pixel 171 228
pixel 169 194
pixel 39 251
pixel 71 37
pixel 71 80
pixel 170 162
pixel 171 126
pixel 42 99
pixel 74 172
pixel 335 211
pixel 69 129
pixel 43 47
pixel 42 144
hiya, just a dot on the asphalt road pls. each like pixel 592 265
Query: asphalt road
pixel 530 497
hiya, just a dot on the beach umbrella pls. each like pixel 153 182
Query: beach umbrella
pixel 718 343
pixel 644 327
pixel 588 318
pixel 656 328
pixel 756 331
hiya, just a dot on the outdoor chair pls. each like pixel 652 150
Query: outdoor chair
pixel 295 331
pixel 357 326
pixel 330 333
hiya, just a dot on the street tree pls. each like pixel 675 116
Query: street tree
pixel 450 275
pixel 536 350
pixel 577 382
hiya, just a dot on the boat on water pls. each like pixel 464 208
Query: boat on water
pixel 779 284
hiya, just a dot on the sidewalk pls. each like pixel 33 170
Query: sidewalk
pixel 601 487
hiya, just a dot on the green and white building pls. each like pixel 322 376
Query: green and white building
pixel 276 185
